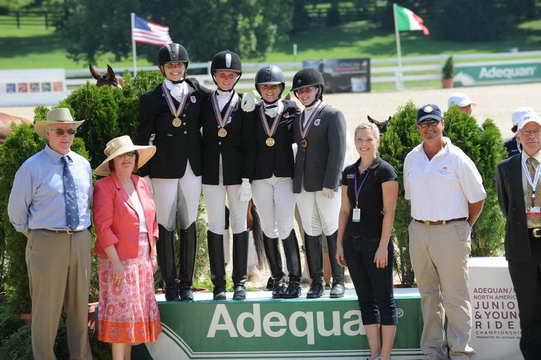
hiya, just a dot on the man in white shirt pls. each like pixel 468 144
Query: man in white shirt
pixel 447 195
pixel 461 100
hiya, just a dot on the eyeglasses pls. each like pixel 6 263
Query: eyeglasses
pixel 429 123
pixel 131 153
pixel 531 132
pixel 61 132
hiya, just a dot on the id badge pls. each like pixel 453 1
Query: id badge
pixel 356 217
pixel 533 210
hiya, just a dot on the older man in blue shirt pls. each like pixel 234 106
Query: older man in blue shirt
pixel 50 203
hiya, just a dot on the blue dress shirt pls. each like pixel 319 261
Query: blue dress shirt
pixel 37 200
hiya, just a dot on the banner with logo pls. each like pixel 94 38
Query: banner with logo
pixel 497 73
pixel 495 316
pixel 277 329
pixel 343 75
pixel 32 87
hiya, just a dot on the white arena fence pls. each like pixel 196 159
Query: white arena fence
pixel 414 68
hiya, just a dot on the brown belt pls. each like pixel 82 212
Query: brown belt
pixel 535 232
pixel 441 222
pixel 62 231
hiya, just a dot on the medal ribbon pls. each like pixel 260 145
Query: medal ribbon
pixel 232 105
pixel 183 97
pixel 358 189
pixel 305 129
pixel 533 182
pixel 270 131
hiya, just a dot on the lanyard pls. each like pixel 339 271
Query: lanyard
pixel 222 122
pixel 304 129
pixel 533 183
pixel 175 111
pixel 270 131
pixel 358 188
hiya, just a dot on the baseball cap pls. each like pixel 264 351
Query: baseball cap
pixel 529 118
pixel 429 111
pixel 519 113
pixel 459 99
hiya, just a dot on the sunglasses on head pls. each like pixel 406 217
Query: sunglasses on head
pixel 61 132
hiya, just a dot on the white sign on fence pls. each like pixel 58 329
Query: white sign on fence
pixel 496 322
pixel 32 87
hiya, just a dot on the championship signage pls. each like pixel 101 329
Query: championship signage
pixel 343 75
pixel 32 87
pixel 277 329
pixel 495 316
pixel 497 73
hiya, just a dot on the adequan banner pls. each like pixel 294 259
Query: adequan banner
pixel 497 73
pixel 300 329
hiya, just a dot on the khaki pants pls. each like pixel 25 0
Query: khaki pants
pixel 59 274
pixel 439 256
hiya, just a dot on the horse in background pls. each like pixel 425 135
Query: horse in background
pixel 107 79
pixel 382 125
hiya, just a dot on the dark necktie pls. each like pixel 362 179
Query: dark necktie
pixel 70 197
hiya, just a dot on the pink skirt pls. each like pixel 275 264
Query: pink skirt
pixel 128 313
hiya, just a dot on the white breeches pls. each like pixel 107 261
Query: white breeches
pixel 275 204
pixel 177 199
pixel 319 214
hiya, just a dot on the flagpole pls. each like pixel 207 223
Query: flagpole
pixel 133 46
pixel 399 85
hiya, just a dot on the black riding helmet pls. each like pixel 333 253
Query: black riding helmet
pixel 228 61
pixel 306 78
pixel 270 75
pixel 173 53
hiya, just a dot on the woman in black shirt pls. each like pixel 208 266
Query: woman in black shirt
pixel 369 193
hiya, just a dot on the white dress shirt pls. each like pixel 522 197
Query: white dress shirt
pixel 441 188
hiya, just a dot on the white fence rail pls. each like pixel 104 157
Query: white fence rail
pixel 414 68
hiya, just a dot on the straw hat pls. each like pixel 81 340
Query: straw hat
pixel 122 145
pixel 56 116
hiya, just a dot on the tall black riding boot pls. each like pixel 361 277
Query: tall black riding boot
pixel 275 264
pixel 188 249
pixel 166 261
pixel 215 245
pixel 314 258
pixel 240 264
pixel 293 261
pixel 337 289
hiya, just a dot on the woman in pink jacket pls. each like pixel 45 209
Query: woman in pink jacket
pixel 126 234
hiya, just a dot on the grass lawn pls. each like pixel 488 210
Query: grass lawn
pixel 37 47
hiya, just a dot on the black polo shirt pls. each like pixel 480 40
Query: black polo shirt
pixel 370 199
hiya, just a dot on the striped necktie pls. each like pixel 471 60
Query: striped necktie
pixel 70 197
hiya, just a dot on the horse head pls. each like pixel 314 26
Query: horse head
pixel 107 79
pixel 382 125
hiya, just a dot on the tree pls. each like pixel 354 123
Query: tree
pixel 300 20
pixel 465 20
pixel 204 27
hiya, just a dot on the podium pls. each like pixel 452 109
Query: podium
pixel 264 328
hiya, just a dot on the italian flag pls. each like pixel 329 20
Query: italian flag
pixel 406 20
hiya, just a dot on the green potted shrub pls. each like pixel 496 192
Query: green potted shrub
pixel 448 71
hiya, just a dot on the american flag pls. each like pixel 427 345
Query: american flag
pixel 150 33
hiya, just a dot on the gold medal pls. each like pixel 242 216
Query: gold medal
pixel 222 132
pixel 270 142
pixel 304 143
pixel 177 122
